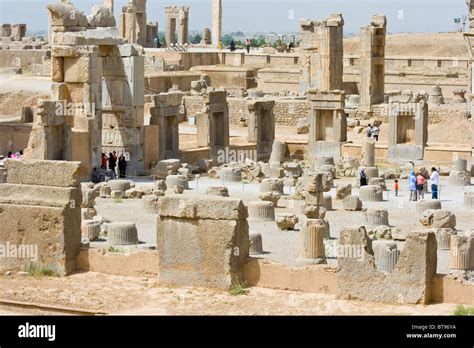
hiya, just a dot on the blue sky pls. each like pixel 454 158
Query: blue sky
pixel 271 15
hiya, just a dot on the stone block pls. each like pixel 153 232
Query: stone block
pixel 410 281
pixel 43 173
pixel 202 252
pixel 202 207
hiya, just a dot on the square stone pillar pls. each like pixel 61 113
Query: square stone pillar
pixel 327 123
pixel 322 52
pixel 166 112
pixel 372 63
pixel 261 127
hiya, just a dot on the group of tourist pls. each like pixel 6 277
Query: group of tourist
pixel 11 155
pixel 373 132
pixel 109 166
pixel 416 184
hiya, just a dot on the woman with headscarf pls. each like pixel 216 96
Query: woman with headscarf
pixel 363 178
pixel 412 186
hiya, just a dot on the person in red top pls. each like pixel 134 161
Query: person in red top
pixel 104 161
pixel 420 186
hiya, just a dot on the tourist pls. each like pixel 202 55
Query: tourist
pixel 220 45
pixel 157 42
pixel 291 47
pixel 363 178
pixel 232 46
pixel 375 132
pixel 369 131
pixel 412 186
pixel 2 160
pixel 122 164
pixel 420 186
pixel 96 176
pixel 112 165
pixel 396 188
pixel 104 160
pixel 9 155
pixel 247 45
pixel 434 183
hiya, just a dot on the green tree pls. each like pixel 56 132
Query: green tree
pixel 226 39
pixel 196 39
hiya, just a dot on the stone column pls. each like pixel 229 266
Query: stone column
pixel 462 253
pixel 216 22
pixel 312 237
pixel 372 62
pixel 6 30
pixel 368 153
pixel 109 4
pixel 386 255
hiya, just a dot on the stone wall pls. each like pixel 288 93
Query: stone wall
pixel 287 111
pixel 202 241
pixel 436 113
pixel 40 214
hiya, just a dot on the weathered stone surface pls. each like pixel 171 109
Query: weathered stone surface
pixel 343 191
pixel 203 207
pixel 88 198
pixel 272 185
pixel 119 185
pixel 459 178
pixel 44 218
pixel 352 203
pixel 230 174
pixel 165 168
pixel 462 253
pixel 386 255
pixel 122 233
pixel 207 248
pixel 177 180
pixel 302 127
pixel 378 182
pixel 376 217
pixel 410 281
pixel 150 204
pixel 312 236
pixel 105 191
pixel 469 200
pixel 90 229
pixel 43 173
pixel 422 206
pixel 438 219
pixel 286 222
pixel 261 211
pixel 371 194
pixel 273 197
pixel 134 193
pixel 313 211
pixel 218 191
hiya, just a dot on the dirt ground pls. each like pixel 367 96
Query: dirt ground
pixel 142 296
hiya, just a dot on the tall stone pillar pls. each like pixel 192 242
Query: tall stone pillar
pixel 216 22
pixel 372 62
pixel 109 4
pixel 322 53
pixel 469 39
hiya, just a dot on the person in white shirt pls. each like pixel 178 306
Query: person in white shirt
pixel 375 132
pixel 434 183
